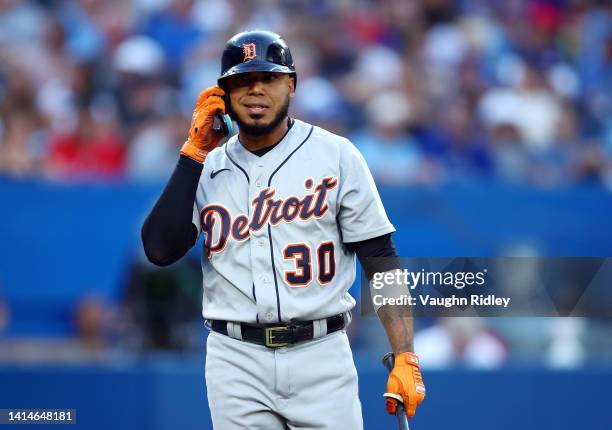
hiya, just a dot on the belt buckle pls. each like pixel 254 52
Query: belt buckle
pixel 269 341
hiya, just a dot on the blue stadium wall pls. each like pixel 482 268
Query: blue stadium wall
pixel 60 242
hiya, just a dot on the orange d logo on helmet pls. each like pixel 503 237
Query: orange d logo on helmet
pixel 249 50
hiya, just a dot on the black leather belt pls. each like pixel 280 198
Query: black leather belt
pixel 277 335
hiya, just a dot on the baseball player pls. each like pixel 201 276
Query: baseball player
pixel 285 208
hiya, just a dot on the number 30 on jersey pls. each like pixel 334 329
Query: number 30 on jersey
pixel 301 254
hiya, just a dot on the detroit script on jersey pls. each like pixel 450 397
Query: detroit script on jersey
pixel 265 209
pixel 274 227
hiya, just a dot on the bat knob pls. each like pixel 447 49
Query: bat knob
pixel 217 124
pixel 222 123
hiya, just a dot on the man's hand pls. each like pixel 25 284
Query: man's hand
pixel 202 138
pixel 405 384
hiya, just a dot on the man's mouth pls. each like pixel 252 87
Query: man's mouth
pixel 256 109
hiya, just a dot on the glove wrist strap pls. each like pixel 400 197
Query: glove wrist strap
pixel 190 150
pixel 407 358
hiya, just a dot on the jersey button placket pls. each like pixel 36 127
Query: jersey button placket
pixel 260 254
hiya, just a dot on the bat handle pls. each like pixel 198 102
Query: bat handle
pixel 400 413
pixel 389 361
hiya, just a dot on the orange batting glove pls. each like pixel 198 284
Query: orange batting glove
pixel 405 384
pixel 202 138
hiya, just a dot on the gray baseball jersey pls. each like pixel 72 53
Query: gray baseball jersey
pixel 275 226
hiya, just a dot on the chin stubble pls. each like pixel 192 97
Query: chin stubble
pixel 263 129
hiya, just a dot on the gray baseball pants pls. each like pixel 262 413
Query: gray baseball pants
pixel 309 385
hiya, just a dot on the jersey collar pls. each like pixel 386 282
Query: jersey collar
pixel 294 136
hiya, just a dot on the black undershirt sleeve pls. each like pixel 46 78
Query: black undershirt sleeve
pixel 376 255
pixel 168 231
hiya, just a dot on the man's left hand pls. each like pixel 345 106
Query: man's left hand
pixel 405 384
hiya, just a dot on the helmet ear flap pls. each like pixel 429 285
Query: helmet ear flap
pixel 221 84
pixel 227 101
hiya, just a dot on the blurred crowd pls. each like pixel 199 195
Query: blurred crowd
pixel 431 91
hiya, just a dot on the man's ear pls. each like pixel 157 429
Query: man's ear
pixel 291 86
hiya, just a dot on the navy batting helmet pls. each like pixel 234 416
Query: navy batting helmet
pixel 256 51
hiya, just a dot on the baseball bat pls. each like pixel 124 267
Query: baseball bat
pixel 400 413
pixel 222 122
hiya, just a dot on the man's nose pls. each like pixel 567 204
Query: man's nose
pixel 256 87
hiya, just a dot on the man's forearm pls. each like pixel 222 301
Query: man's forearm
pixel 378 255
pixel 397 321
pixel 168 232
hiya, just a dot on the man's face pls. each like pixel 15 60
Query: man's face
pixel 259 101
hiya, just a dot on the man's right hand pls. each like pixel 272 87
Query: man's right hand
pixel 202 138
